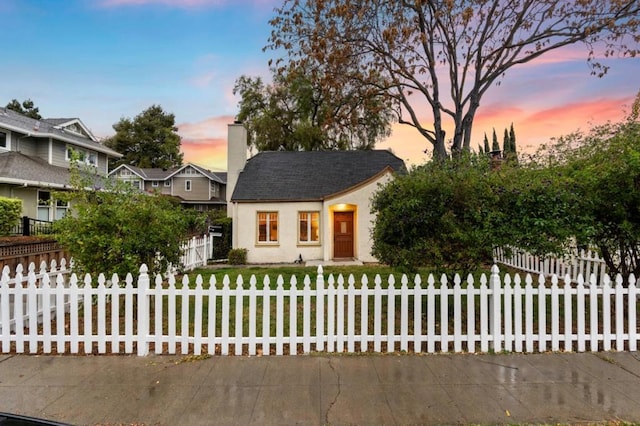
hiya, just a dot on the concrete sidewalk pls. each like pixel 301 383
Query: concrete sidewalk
pixel 323 390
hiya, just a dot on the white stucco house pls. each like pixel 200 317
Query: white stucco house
pixel 309 205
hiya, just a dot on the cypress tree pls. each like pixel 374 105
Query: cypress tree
pixel 495 146
pixel 486 144
pixel 512 140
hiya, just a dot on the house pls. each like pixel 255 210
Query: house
pixel 35 156
pixel 309 205
pixel 194 186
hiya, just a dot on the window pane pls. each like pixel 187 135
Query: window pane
pixel 304 223
pixel 315 226
pixel 262 227
pixel 273 226
pixel 3 140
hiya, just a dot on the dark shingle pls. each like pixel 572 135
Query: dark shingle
pixel 309 175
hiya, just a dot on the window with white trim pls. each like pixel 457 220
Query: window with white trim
pixel 155 184
pixel 267 227
pixel 308 227
pixel 167 183
pixel 44 205
pixel 187 185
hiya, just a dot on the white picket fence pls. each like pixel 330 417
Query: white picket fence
pixel 329 314
pixel 196 252
pixel 582 262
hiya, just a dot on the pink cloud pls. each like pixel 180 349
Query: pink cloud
pixel 213 127
pixel 208 153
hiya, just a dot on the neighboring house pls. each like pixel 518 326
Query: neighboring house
pixel 35 156
pixel 314 205
pixel 193 185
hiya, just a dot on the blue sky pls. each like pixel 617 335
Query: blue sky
pixel 101 60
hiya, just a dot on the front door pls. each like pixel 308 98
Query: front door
pixel 343 234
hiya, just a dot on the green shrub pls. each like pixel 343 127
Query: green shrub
pixel 238 256
pixel 10 211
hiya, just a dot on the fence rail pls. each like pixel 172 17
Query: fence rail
pixel 582 262
pixel 331 314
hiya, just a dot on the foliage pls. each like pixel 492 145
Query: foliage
pixel 237 256
pixel 27 108
pixel 438 214
pixel 117 229
pixel 150 140
pixel 295 113
pixel 222 245
pixel 442 54
pixel 605 166
pixel 10 211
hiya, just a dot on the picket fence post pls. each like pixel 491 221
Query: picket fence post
pixel 495 309
pixel 143 312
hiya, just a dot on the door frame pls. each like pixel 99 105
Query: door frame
pixel 352 214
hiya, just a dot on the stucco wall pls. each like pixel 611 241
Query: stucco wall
pixel 287 249
pixel 359 201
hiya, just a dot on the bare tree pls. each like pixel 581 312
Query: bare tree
pixel 445 54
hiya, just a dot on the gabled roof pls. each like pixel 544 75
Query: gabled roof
pixel 19 169
pixel 309 175
pixel 164 174
pixel 51 128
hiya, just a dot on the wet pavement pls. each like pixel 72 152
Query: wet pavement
pixel 324 390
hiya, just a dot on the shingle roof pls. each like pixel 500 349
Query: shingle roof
pixel 17 168
pixel 14 165
pixel 309 175
pixel 162 174
pixel 47 127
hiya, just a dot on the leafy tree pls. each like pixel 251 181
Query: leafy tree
pixel 443 54
pixel 605 165
pixel 438 214
pixel 150 140
pixel 295 113
pixel 27 108
pixel 117 229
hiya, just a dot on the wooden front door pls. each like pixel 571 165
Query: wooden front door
pixel 342 234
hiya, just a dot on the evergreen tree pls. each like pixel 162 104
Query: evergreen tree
pixel 27 108
pixel 495 147
pixel 512 139
pixel 506 143
pixel 150 140
pixel 486 144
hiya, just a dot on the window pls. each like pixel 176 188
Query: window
pixel 215 189
pixel 44 205
pixel 125 172
pixel 308 227
pixel 87 157
pixel 167 183
pixel 187 185
pixel 155 183
pixel 136 184
pixel 4 140
pixel 267 227
pixel 61 209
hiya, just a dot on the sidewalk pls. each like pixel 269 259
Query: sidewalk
pixel 323 390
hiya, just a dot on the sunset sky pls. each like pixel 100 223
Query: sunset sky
pixel 101 60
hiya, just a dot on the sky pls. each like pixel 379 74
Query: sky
pixel 103 60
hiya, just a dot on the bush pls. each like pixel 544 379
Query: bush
pixel 437 215
pixel 10 211
pixel 118 229
pixel 238 256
